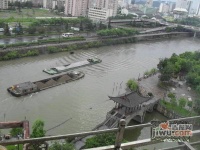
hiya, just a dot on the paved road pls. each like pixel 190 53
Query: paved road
pixel 35 38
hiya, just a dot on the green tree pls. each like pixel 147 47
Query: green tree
pixel 61 146
pixel 6 30
pixel 2 24
pixel 81 26
pixel 31 29
pixel 173 102
pixel 41 30
pixel 190 104
pixel 132 84
pixel 38 129
pixel 100 140
pixel 197 105
pixel 20 29
pixel 16 131
pixel 182 102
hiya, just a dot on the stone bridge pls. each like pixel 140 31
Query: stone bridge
pixel 121 112
pixel 132 105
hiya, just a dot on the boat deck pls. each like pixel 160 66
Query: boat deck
pixel 73 65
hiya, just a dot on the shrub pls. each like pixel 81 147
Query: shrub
pixel 171 95
pixel 61 146
pixel 189 104
pixel 16 131
pixel 100 140
pixel 132 84
pixel 182 102
pixel 11 55
pixel 32 53
pixel 53 49
pixel 173 102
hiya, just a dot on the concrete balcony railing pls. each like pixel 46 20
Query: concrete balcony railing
pixel 119 137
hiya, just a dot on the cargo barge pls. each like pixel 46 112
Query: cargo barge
pixel 32 87
pixel 64 68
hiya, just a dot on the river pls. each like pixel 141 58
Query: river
pixel 85 100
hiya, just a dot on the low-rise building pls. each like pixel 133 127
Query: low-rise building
pixel 180 13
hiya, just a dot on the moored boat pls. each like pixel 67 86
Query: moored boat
pixel 32 87
pixel 64 68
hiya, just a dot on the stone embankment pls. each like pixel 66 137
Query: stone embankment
pixel 95 42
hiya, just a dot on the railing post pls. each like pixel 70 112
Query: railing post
pixel 120 134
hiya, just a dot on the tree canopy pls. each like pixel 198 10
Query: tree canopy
pixel 117 32
pixel 100 140
pixel 38 129
pixel 16 131
pixel 186 64
pixel 61 146
pixel 132 84
pixel 194 21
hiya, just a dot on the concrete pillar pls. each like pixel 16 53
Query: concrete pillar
pixel 120 134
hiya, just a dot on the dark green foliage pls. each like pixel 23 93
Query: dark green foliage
pixel 171 95
pixel 182 102
pixel 176 29
pixel 38 129
pixel 194 21
pixel 11 55
pixel 53 49
pixel 197 105
pixel 41 30
pixel 186 64
pixel 122 16
pixel 2 24
pixel 117 32
pixel 190 104
pixel 177 109
pixel 132 84
pixel 16 54
pixel 16 131
pixel 63 146
pixel 31 53
pixel 6 30
pixel 173 102
pixel 100 140
pixel 31 29
pixel 81 26
pixel 18 29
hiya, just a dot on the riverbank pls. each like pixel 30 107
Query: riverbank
pixel 151 83
pixel 89 43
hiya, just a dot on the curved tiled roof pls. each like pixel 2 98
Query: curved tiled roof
pixel 130 100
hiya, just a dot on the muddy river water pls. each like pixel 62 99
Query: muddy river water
pixel 85 101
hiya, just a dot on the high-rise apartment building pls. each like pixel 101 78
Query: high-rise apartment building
pixel 3 4
pixel 37 3
pixel 181 4
pixel 48 4
pixel 108 4
pixel 164 8
pixel 185 4
pixel 198 10
pixel 76 7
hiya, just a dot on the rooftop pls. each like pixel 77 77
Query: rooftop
pixel 130 100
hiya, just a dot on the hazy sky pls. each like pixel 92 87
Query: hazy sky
pixel 194 4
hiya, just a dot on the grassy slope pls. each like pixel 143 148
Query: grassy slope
pixel 26 13
pixel 35 12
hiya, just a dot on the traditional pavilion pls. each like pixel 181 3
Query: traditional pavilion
pixel 130 102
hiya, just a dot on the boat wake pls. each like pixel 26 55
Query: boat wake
pixel 5 100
